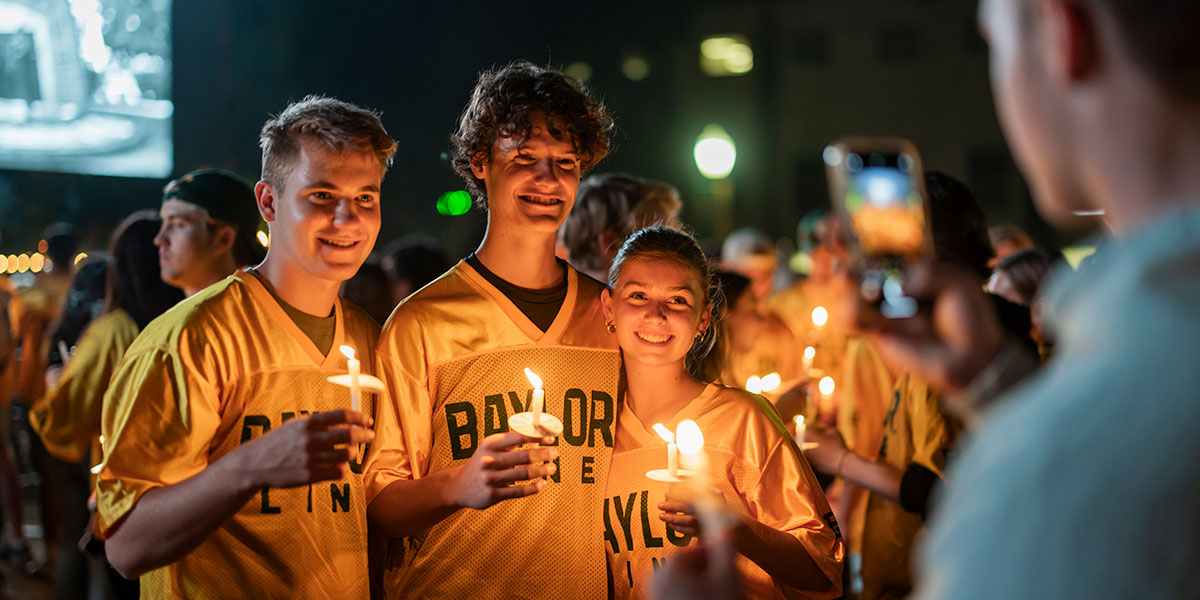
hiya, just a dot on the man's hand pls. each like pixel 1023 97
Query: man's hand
pixel 304 450
pixel 489 476
pixel 947 346
pixel 829 449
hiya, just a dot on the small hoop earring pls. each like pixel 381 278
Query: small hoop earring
pixel 699 335
pixel 611 327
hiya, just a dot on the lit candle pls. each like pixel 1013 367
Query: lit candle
pixel 801 429
pixel 771 381
pixel 672 449
pixel 355 401
pixel 820 316
pixel 809 354
pixel 539 398
pixel 825 386
pixel 695 459
pixel 754 385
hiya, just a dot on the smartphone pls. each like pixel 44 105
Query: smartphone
pixel 877 186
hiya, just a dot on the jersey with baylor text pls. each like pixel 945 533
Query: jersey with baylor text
pixel 757 468
pixel 915 430
pixel 219 369
pixel 453 356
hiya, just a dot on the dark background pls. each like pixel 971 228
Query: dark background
pixel 822 68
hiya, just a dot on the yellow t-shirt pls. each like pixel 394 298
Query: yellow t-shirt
pixel 756 466
pixel 865 391
pixel 453 355
pixel 915 430
pixel 221 368
pixel 68 416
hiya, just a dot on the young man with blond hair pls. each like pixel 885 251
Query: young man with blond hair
pixel 229 459
pixel 479 516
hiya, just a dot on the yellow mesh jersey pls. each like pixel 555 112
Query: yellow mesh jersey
pixel 221 368
pixel 756 466
pixel 915 430
pixel 775 352
pixel 866 390
pixel 453 356
pixel 68 417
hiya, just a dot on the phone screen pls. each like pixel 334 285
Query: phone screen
pixel 879 189
pixel 883 205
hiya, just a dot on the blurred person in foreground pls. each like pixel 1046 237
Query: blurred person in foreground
pixel 208 229
pixel 917 433
pixel 231 464
pixel 68 417
pixel 608 209
pixel 1100 101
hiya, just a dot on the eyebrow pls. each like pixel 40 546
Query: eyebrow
pixel 325 185
pixel 673 289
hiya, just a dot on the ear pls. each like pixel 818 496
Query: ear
pixel 705 318
pixel 264 194
pixel 1070 39
pixel 223 239
pixel 606 305
pixel 479 164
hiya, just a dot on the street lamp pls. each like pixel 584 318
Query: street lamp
pixel 715 153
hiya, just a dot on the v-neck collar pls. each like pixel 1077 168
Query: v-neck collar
pixel 514 314
pixel 281 318
pixel 645 435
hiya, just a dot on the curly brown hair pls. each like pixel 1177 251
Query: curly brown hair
pixel 504 102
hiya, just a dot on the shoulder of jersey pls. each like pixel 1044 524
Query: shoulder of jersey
pixel 735 405
pixel 446 287
pixel 196 310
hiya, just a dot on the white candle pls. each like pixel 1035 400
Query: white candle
pixel 809 354
pixel 539 398
pixel 801 429
pixel 691 445
pixel 672 449
pixel 355 365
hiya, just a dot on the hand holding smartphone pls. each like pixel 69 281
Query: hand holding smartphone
pixel 877 186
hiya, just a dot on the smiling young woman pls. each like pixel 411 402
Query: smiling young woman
pixel 659 304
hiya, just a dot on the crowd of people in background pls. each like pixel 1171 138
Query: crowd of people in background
pixel 1028 434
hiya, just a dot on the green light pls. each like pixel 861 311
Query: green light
pixel 715 153
pixel 453 204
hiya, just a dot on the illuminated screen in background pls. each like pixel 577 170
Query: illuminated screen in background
pixel 85 86
pixel 886 210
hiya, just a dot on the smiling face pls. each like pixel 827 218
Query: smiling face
pixel 658 308
pixel 530 184
pixel 325 218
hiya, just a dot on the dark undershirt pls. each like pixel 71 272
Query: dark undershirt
pixel 539 306
pixel 318 329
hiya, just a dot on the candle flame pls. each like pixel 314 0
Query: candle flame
pixel 347 351
pixel 809 352
pixel 799 422
pixel 820 316
pixel 754 385
pixel 534 380
pixel 664 433
pixel 771 381
pixel 826 385
pixel 688 435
